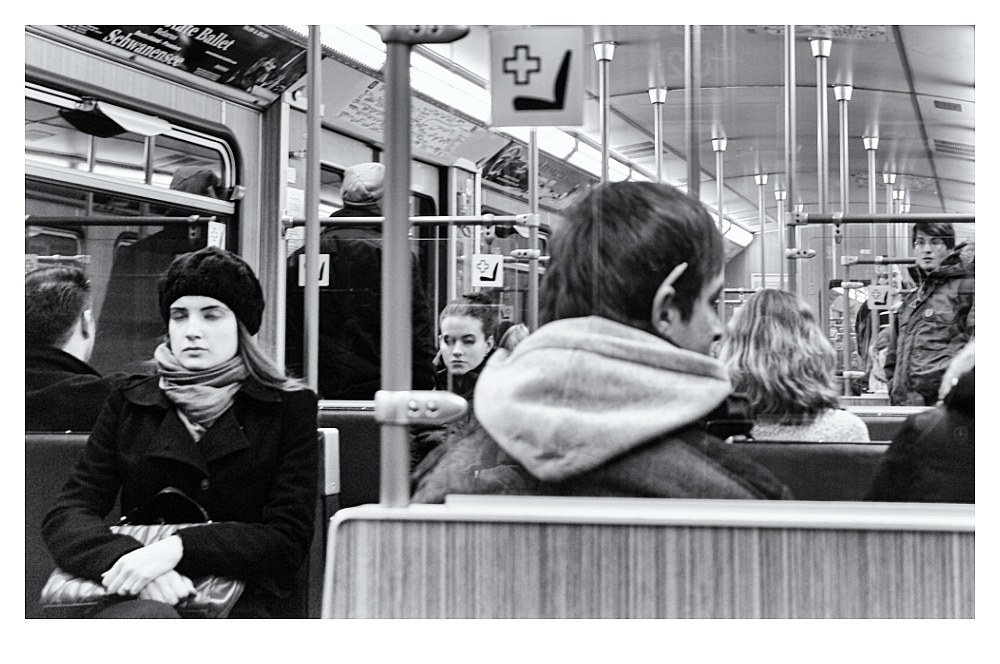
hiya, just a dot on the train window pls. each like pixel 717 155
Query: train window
pixel 80 179
pixel 122 157
pixel 120 146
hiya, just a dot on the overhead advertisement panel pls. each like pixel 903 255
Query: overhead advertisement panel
pixel 246 57
pixel 536 77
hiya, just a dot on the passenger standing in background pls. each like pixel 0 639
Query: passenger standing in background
pixel 933 457
pixel 935 321
pixel 61 391
pixel 350 307
pixel 610 395
pixel 221 424
pixel 778 356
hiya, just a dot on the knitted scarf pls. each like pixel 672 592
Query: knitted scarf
pixel 201 397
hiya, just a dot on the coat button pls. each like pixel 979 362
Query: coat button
pixel 205 484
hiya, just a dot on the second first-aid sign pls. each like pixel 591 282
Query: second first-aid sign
pixel 536 77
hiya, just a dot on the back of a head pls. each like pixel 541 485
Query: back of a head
pixel 618 245
pixel 363 184
pixel 54 299
pixel 777 354
pixel 475 305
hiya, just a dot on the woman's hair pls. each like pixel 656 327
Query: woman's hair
pixel 475 305
pixel 260 366
pixel 776 353
pixel 618 245
pixel 514 335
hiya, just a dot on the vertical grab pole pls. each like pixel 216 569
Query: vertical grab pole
pixel 761 180
pixel 396 305
pixel 692 107
pixel 719 145
pixel 842 93
pixel 604 51
pixel 779 197
pixel 533 231
pixel 871 145
pixel 657 97
pixel 311 303
pixel 791 147
pixel 890 179
pixel 821 51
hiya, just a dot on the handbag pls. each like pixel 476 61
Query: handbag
pixel 69 596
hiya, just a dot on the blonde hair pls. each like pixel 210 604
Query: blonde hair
pixel 777 354
pixel 260 366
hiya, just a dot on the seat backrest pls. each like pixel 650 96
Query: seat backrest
pixel 48 460
pixel 561 557
pixel 819 471
pixel 360 459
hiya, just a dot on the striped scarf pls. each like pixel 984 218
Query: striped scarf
pixel 201 397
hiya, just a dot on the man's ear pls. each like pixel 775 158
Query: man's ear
pixel 489 343
pixel 87 324
pixel 664 312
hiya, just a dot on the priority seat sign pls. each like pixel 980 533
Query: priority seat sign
pixel 536 77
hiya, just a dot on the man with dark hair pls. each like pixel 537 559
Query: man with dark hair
pixel 935 320
pixel 350 306
pixel 612 394
pixel 62 391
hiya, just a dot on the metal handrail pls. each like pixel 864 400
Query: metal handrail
pixel 112 220
pixel 804 218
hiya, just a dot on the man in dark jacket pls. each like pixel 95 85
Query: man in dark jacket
pixel 61 391
pixel 933 457
pixel 935 321
pixel 350 307
pixel 611 395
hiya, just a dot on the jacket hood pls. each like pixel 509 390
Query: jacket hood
pixel 960 262
pixel 581 391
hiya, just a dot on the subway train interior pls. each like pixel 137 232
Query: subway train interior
pixel 814 148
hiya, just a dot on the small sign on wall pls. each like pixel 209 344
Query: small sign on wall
pixel 487 270
pixel 324 270
pixel 217 234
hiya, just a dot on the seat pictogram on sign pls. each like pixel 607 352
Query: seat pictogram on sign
pixel 522 68
pixel 558 92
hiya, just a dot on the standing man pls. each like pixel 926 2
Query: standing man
pixel 61 391
pixel 350 307
pixel 935 321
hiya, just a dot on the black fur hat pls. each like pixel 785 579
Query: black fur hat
pixel 217 273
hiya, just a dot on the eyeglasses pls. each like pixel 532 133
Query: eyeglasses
pixel 934 242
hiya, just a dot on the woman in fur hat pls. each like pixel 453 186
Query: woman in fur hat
pixel 221 423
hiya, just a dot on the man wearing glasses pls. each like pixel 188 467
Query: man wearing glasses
pixel 936 319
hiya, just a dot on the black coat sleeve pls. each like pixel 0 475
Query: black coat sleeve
pixel 279 543
pixel 74 529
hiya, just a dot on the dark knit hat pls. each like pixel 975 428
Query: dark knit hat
pixel 217 273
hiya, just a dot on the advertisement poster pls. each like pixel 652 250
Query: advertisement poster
pixel 246 57
pixel 558 185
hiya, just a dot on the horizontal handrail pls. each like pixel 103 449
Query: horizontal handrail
pixel 112 220
pixel 803 218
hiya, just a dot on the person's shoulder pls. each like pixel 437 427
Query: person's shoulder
pixel 852 425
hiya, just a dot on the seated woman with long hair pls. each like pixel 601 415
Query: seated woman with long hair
pixel 221 424
pixel 778 356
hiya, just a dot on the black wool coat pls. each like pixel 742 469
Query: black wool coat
pixel 254 471
pixel 61 392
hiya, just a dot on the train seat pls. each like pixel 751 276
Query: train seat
pixel 549 557
pixel 360 457
pixel 819 471
pixel 49 459
pixel 884 422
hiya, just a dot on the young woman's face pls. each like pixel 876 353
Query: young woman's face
pixel 202 332
pixel 463 344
